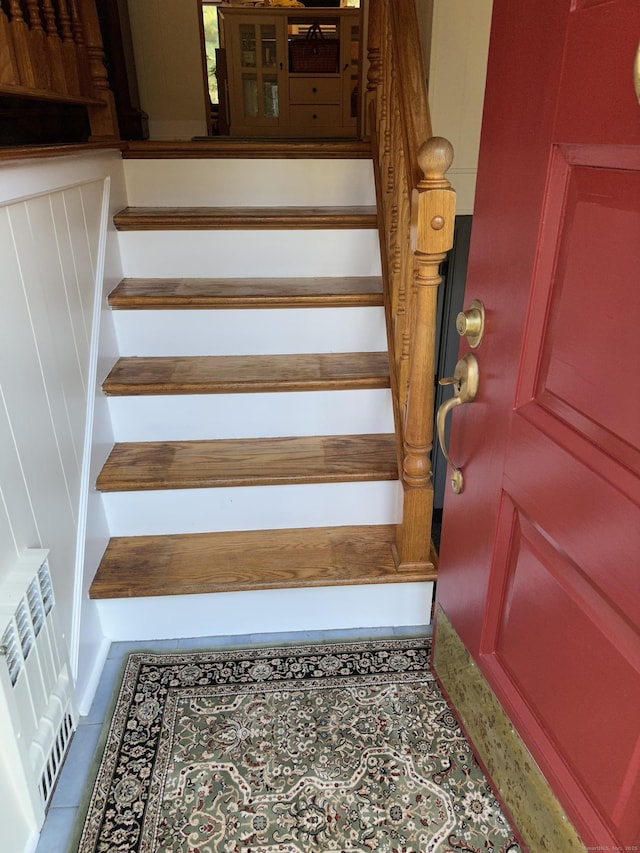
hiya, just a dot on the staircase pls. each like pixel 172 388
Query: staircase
pixel 253 484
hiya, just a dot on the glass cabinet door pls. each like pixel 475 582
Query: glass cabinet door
pixel 260 57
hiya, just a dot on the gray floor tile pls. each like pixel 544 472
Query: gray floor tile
pixel 56 831
pixel 214 642
pixel 118 650
pixel 71 783
pixel 411 631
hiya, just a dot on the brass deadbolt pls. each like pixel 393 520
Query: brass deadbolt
pixel 470 323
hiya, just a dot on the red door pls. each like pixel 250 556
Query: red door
pixel 540 554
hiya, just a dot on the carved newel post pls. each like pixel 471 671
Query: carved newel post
pixel 102 116
pixel 433 222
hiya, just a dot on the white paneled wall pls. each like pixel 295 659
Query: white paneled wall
pixel 46 306
pixel 52 239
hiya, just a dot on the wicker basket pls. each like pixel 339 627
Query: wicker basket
pixel 314 54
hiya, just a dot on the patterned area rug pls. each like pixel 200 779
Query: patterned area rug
pixel 340 747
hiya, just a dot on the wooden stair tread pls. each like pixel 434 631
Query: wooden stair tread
pixel 219 147
pixel 159 293
pixel 195 218
pixel 239 374
pixel 256 559
pixel 134 466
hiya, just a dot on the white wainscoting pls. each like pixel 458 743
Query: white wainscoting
pixel 52 244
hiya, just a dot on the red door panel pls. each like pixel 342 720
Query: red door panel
pixel 582 513
pixel 540 555
pixel 581 330
pixel 540 591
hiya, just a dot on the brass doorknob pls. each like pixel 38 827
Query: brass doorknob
pixel 470 323
pixel 465 380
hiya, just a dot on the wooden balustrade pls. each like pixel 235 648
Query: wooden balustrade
pixel 417 210
pixel 52 51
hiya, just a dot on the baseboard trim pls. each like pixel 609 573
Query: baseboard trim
pixel 525 792
pixel 86 696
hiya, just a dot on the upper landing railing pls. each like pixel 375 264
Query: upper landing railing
pixel 416 207
pixel 52 51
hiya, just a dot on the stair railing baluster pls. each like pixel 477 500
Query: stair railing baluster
pixel 54 48
pixel 9 73
pixel 374 57
pixel 69 54
pixel 57 55
pixel 20 38
pixel 37 45
pixel 86 85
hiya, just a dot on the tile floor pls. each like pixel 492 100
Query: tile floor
pixel 70 788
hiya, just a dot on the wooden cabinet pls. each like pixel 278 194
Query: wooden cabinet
pixel 290 73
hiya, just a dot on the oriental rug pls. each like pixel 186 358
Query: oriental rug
pixel 339 747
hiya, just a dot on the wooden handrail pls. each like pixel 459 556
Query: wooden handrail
pixel 53 51
pixel 416 207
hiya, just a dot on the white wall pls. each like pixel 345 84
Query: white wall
pixel 52 244
pixel 457 72
pixel 168 56
pixel 424 11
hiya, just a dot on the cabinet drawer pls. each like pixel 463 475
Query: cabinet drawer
pixel 310 115
pixel 314 90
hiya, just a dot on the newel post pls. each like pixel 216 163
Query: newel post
pixel 102 117
pixel 433 221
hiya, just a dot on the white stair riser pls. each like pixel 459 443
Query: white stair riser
pixel 191 417
pixel 251 331
pixel 249 183
pixel 165 511
pixel 266 610
pixel 253 254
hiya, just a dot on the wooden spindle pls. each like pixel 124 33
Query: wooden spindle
pixel 77 30
pixel 435 214
pixel 374 58
pixel 38 46
pixel 102 118
pixel 382 89
pixel 388 94
pixel 406 277
pixel 65 21
pixel 54 48
pixel 70 59
pixel 9 73
pixel 21 44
